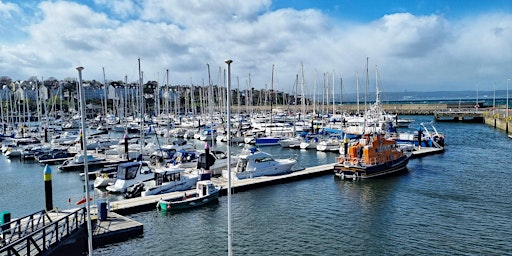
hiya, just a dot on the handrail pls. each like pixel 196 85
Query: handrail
pixel 31 223
pixel 43 238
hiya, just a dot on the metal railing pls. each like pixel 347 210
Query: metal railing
pixel 37 233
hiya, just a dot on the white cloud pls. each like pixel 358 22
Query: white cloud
pixel 8 9
pixel 121 8
pixel 413 52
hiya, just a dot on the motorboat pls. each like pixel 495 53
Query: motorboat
pixel 291 142
pixel 129 174
pixel 310 142
pixel 372 156
pixel 330 144
pixel 206 192
pixel 164 181
pixel 267 141
pixel 256 163
pixel 77 162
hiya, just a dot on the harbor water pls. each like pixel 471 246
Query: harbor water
pixel 454 203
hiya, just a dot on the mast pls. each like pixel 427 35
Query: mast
pixel 86 166
pixel 272 89
pixel 105 91
pixel 230 233
pixel 367 84
pixel 141 97
pixel 303 96
pixel 357 91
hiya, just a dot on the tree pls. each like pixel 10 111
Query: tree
pixel 5 80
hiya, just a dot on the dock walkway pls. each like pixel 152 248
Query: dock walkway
pixel 137 204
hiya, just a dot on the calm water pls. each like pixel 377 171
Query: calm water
pixel 454 203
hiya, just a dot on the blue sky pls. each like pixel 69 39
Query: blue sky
pixel 412 45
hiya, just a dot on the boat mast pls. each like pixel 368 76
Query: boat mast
pixel 272 89
pixel 230 233
pixel 303 97
pixel 141 98
pixel 105 110
pixel 333 84
pixel 86 168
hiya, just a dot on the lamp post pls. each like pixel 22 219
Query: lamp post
pixel 84 153
pixel 228 86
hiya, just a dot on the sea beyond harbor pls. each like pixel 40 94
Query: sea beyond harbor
pixel 455 203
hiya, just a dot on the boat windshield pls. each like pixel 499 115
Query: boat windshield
pixel 128 173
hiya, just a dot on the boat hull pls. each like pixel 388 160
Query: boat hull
pixel 188 203
pixel 350 170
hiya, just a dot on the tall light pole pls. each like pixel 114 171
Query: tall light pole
pixel 84 153
pixel 228 86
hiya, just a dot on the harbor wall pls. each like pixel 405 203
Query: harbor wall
pixel 499 120
pixel 401 109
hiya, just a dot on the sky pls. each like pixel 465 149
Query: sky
pixel 424 45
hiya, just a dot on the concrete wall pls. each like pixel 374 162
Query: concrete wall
pixel 499 121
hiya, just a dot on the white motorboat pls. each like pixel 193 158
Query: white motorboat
pixel 291 142
pixel 164 181
pixel 331 144
pixel 256 163
pixel 129 174
pixel 77 162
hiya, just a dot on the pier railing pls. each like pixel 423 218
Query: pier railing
pixel 36 233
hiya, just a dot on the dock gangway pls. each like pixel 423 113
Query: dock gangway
pixel 39 232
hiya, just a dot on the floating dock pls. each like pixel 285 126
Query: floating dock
pixel 138 204
pixel 115 228
pixel 426 151
pixel 246 184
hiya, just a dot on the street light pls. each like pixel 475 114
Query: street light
pixel 228 85
pixel 84 153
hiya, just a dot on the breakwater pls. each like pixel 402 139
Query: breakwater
pixel 352 108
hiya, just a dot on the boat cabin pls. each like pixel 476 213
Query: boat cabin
pixel 374 149
pixel 130 170
pixel 204 188
pixel 163 176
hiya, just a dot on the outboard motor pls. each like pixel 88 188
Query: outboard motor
pixel 135 191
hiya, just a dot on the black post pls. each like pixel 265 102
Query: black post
pixel 48 195
pixel 345 145
pixel 81 140
pixel 126 145
pixel 419 137
pixel 45 134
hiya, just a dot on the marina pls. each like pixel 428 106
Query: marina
pixel 312 166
